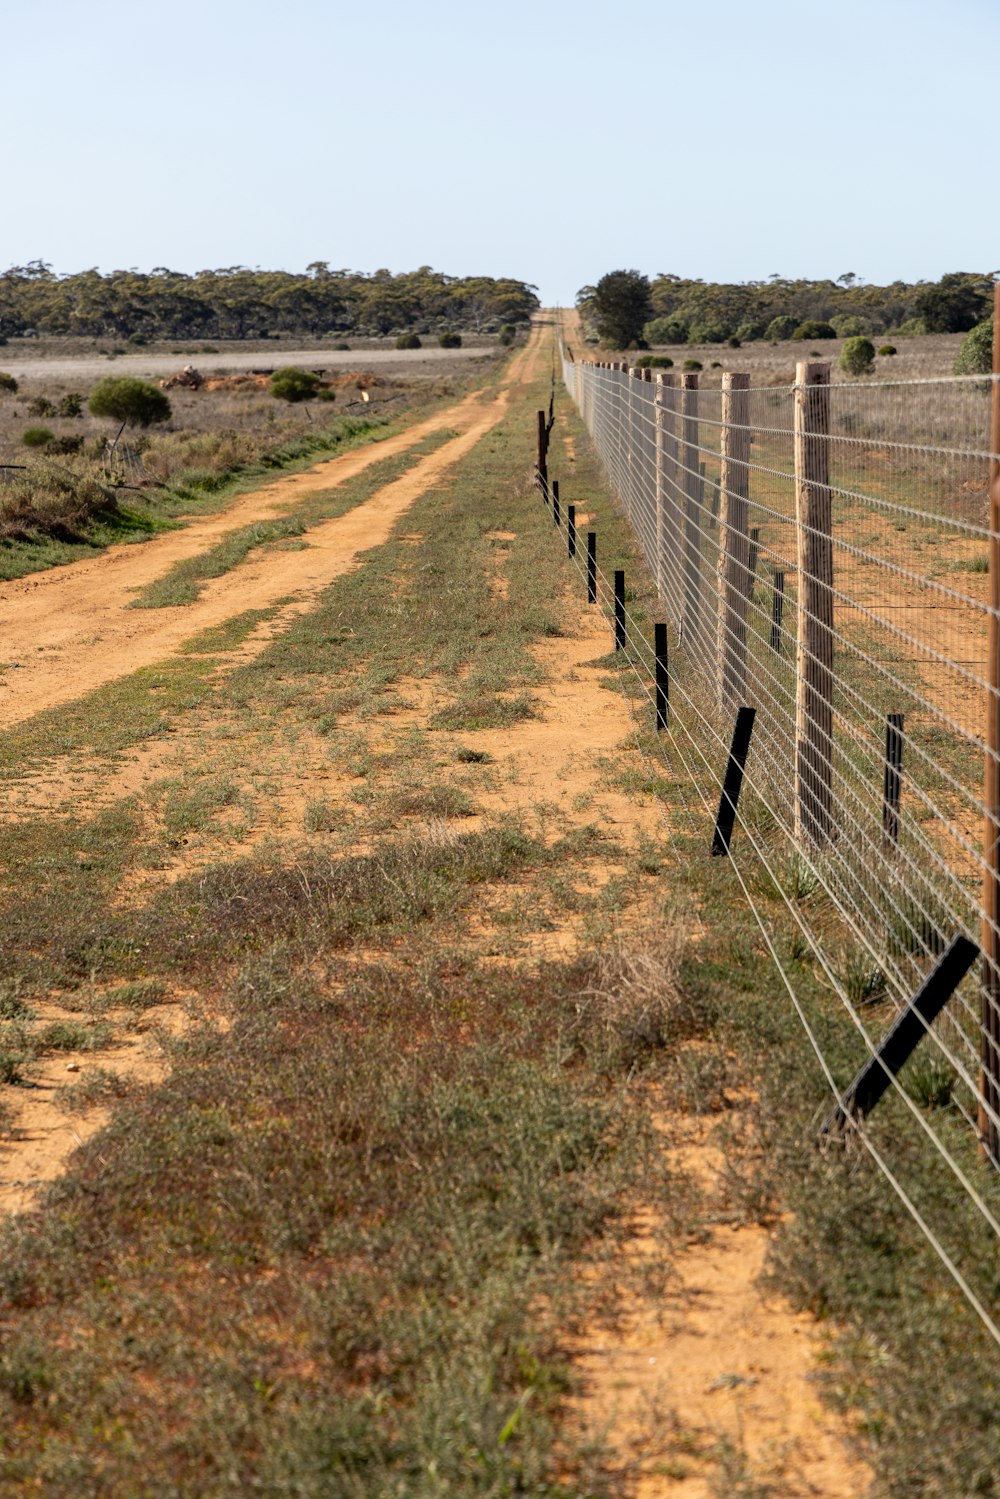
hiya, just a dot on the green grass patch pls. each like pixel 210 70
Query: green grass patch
pixel 218 639
pixel 330 1255
pixel 184 582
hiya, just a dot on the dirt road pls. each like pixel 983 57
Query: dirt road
pixel 68 631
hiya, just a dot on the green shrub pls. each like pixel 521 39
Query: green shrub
pixel 37 437
pixel 138 339
pixel 693 364
pixel 813 329
pixel 708 333
pixel 7 382
pixel 408 341
pixel 748 333
pixel 734 341
pixel 125 399
pixel 450 340
pixel 342 348
pixel 71 404
pixel 293 384
pixel 975 357
pixel 507 334
pixel 665 330
pixel 887 350
pixel 654 362
pixel 849 325
pixel 41 406
pixel 780 328
pixel 858 356
pixel 914 327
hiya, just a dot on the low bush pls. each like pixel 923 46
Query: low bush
pixel 852 326
pixel 71 405
pixel 125 399
pixel 41 406
pixel 37 437
pixel 734 342
pixel 408 341
pixel 665 330
pixel 858 356
pixel 707 333
pixel 975 357
pixel 654 362
pixel 450 340
pixel 693 364
pixel 7 382
pixel 780 328
pixel 887 350
pixel 812 329
pixel 49 499
pixel 507 334
pixel 294 384
pixel 914 327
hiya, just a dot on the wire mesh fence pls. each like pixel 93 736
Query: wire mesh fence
pixel 822 553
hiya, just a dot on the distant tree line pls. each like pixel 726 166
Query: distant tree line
pixel 625 308
pixel 239 303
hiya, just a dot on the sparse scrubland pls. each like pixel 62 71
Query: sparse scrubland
pixel 75 492
pixel 352 1243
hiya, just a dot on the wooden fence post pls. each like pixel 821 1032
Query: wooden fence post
pixel 814 648
pixel 692 520
pixel 661 418
pixel 734 540
pixel 989 1044
pixel 632 385
pixel 624 428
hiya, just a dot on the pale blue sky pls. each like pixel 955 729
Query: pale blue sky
pixel 549 141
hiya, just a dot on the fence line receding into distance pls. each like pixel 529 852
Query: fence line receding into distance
pixel 824 553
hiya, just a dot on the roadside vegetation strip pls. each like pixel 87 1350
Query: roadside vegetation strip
pixel 63 509
pixel 908 1354
pixel 184 581
pixel 52 516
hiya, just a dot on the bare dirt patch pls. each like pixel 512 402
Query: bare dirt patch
pixel 709 1387
pixel 47 1129
pixel 555 759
